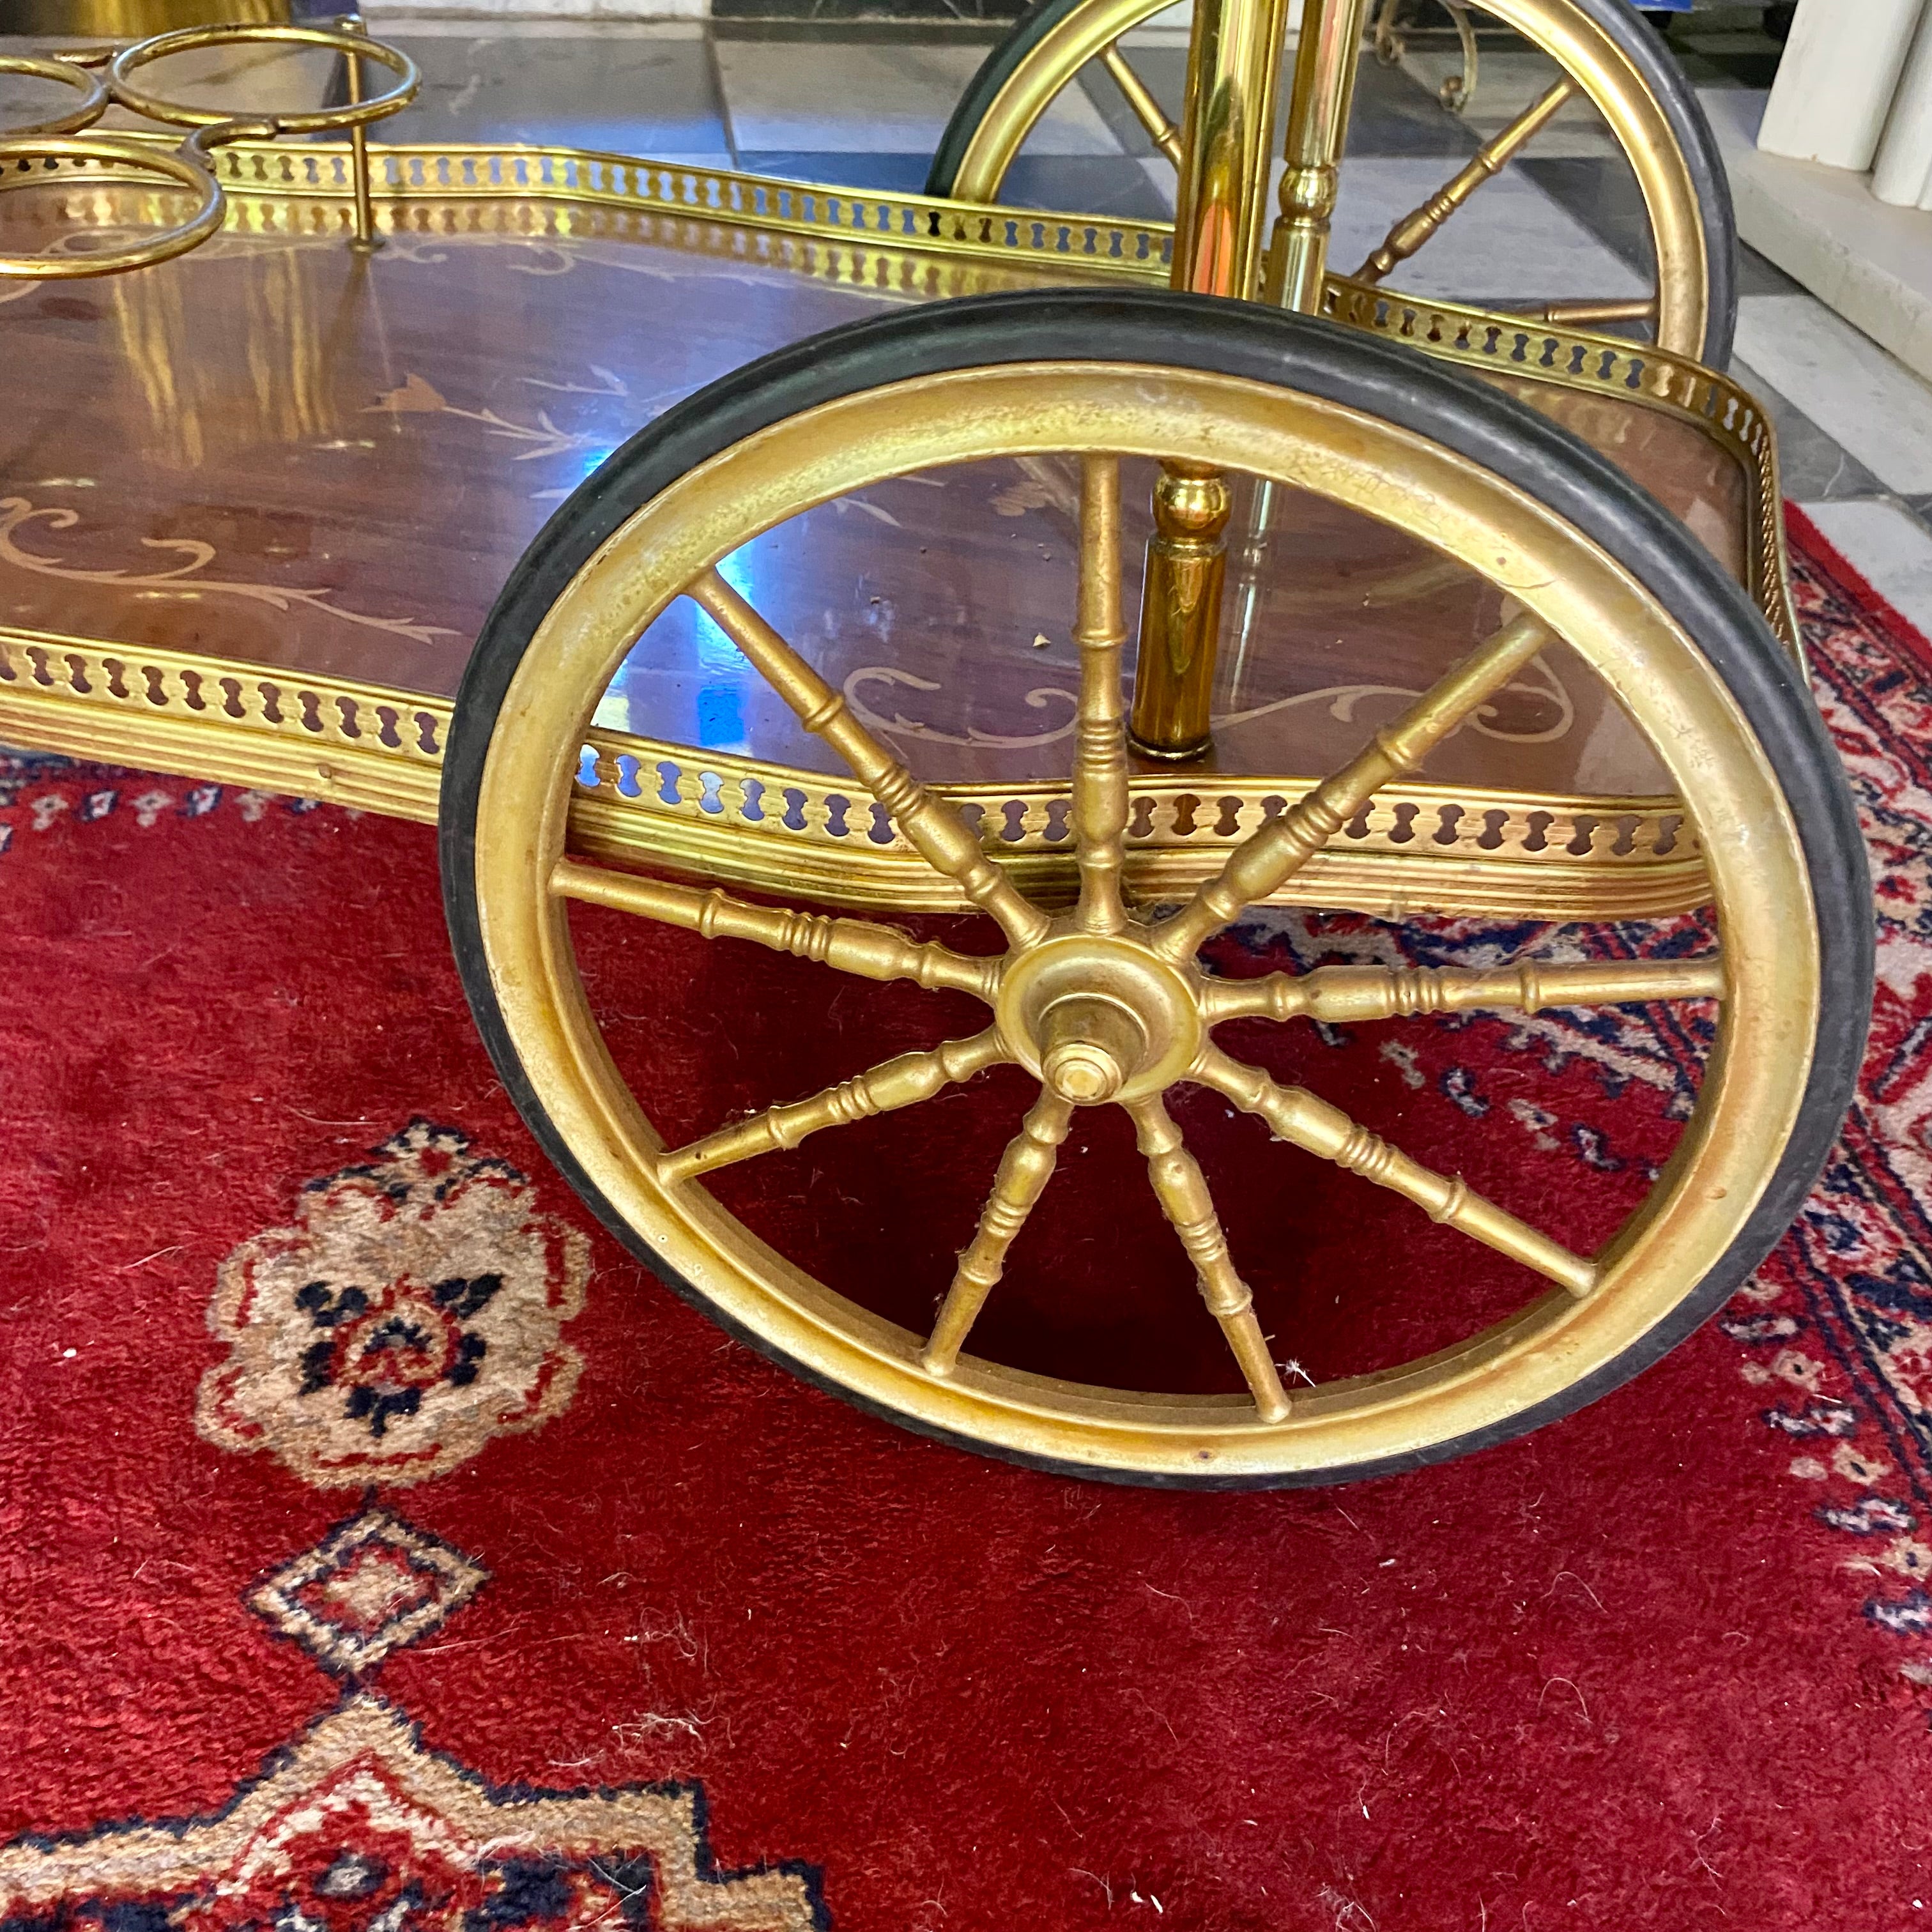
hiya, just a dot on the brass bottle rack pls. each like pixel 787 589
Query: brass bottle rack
pixel 105 77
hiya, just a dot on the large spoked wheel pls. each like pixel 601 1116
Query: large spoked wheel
pixel 1108 1005
pixel 1605 52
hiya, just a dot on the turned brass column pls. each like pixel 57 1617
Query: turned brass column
pixel 1325 58
pixel 1227 131
pixel 1180 612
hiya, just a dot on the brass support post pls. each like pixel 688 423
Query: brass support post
pixel 1226 129
pixel 366 241
pixel 1180 612
pixel 1318 123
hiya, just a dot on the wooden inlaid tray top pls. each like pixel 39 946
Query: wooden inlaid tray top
pixel 255 503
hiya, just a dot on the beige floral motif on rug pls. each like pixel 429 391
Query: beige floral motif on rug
pixel 359 1825
pixel 412 1310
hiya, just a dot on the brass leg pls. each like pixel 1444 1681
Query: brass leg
pixel 1181 612
pixel 1318 123
pixel 1227 125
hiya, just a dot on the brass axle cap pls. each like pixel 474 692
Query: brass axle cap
pixel 1100 1017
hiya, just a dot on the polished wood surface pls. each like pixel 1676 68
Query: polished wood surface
pixel 276 451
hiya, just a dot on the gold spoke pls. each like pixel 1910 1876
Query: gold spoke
pixel 1420 223
pixel 1293 1114
pixel 1182 1190
pixel 942 837
pixel 1580 314
pixel 1267 859
pixel 1146 110
pixel 900 1082
pixel 1025 1169
pixel 1099 818
pixel 855 945
pixel 1342 994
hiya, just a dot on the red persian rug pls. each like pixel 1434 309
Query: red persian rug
pixel 381 1549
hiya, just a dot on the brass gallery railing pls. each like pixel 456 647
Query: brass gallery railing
pixel 381 748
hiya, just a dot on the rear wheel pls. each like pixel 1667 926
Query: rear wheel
pixel 1108 1004
pixel 1602 52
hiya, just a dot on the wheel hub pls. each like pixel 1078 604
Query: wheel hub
pixel 1100 1018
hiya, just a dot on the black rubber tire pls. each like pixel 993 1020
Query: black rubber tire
pixel 1632 32
pixel 1289 351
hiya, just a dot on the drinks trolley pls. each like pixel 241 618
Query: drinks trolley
pixel 1427 612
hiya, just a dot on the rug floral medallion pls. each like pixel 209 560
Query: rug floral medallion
pixel 413 1309
pixel 381 1550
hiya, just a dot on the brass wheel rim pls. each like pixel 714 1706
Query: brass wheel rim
pixel 1754 1082
pixel 1580 47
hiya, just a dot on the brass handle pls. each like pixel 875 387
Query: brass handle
pixel 313 121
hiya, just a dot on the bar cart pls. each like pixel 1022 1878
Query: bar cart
pixel 1428 612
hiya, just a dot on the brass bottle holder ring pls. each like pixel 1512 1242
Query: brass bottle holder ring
pixel 61 139
pixel 69 74
pixel 184 167
pixel 353 46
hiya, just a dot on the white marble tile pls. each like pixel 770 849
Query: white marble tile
pixel 1892 549
pixel 1159 170
pixel 857 97
pixel 267 79
pixel 1811 467
pixel 1871 263
pixel 1845 383
pixel 1169 28
pixel 700 157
